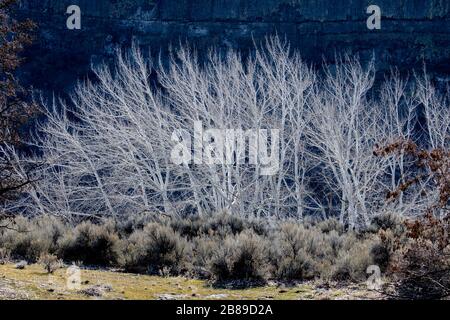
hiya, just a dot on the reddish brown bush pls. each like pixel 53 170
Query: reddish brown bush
pixel 14 110
pixel 420 262
pixel 433 165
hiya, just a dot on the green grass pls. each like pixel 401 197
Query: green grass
pixel 34 283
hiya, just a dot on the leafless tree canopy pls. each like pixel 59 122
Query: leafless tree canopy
pixel 108 152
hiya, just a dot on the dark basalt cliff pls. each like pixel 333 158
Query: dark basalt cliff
pixel 412 31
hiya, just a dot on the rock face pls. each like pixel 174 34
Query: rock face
pixel 412 31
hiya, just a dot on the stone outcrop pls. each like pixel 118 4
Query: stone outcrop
pixel 412 31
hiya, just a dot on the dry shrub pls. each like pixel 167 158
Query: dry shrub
pixel 50 262
pixel 291 254
pixel 321 250
pixel 332 224
pixel 421 258
pixel 391 230
pixel 219 225
pixel 241 257
pixel 134 222
pixel 92 244
pixel 309 252
pixel 156 249
pixel 203 250
pixel 5 256
pixel 51 228
pixel 298 266
pixel 381 255
pixel 387 221
pixel 352 264
pixel 223 225
pixel 28 239
pixel 189 227
pixel 224 247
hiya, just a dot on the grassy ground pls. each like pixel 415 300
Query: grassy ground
pixel 34 283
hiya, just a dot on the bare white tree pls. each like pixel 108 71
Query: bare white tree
pixel 345 127
pixel 436 106
pixel 110 150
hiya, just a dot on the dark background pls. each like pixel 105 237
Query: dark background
pixel 412 32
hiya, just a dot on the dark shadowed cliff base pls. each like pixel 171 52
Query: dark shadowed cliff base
pixel 412 31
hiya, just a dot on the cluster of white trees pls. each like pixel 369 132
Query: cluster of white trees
pixel 108 151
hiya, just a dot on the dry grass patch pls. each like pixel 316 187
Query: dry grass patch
pixel 35 283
